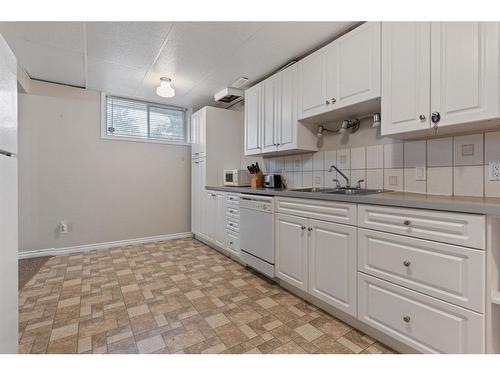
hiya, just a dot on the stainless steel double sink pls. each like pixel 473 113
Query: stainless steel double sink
pixel 341 191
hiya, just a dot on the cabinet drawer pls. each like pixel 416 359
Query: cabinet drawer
pixel 233 225
pixel 424 323
pixel 233 211
pixel 233 199
pixel 337 212
pixel 449 227
pixel 233 242
pixel 452 273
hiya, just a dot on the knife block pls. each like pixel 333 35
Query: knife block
pixel 257 180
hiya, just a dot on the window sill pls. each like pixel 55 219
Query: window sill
pixel 149 140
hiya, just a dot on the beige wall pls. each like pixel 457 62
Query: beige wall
pixel 106 190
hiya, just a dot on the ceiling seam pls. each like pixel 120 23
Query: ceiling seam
pixel 157 57
pixel 85 63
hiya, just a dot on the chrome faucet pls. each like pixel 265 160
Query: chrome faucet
pixel 332 167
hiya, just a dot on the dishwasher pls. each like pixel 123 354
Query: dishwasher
pixel 257 232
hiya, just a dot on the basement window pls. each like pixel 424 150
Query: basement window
pixel 136 120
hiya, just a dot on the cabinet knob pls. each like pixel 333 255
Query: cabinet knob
pixel 334 100
pixel 407 222
pixel 327 102
pixel 436 117
pixel 422 117
pixel 309 229
pixel 406 319
pixel 303 227
pixel 230 242
pixel 406 263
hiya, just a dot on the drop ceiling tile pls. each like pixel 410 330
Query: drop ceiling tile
pixel 134 44
pixel 49 63
pixel 62 35
pixel 113 78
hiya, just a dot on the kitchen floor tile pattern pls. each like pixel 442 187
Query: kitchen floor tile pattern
pixel 177 296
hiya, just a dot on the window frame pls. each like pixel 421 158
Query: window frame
pixel 104 129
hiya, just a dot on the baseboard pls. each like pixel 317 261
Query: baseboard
pixel 98 246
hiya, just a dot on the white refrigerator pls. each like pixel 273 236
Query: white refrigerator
pixel 8 201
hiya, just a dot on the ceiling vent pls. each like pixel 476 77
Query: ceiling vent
pixel 228 95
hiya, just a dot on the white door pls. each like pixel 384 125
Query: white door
pixel 198 194
pixel 406 77
pixel 332 264
pixel 312 84
pixel 287 124
pixel 464 71
pixel 253 120
pixel 206 215
pixel 269 114
pixel 357 71
pixel 292 250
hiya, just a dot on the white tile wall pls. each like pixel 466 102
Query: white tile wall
pixel 468 150
pixel 356 175
pixel 393 155
pixel 468 180
pixel 440 180
pixel 358 158
pixel 344 158
pixel 415 154
pixel 440 152
pixel 448 171
pixel 375 157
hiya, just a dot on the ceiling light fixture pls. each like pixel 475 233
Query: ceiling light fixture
pixel 165 89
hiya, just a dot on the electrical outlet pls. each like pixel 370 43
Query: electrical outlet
pixel 494 167
pixel 63 227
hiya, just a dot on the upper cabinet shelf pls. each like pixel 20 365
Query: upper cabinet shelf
pixel 439 77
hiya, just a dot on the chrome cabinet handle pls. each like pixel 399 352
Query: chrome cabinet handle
pixel 230 242
pixel 421 117
pixel 303 227
pixel 334 100
pixel 327 102
pixel 406 263
pixel 406 319
pixel 407 222
pixel 309 229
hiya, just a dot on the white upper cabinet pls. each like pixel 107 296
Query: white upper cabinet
pixel 269 113
pixel 312 93
pixel 253 120
pixel 198 134
pixel 271 116
pixel 406 76
pixel 465 71
pixel 354 66
pixel 438 75
pixel 344 73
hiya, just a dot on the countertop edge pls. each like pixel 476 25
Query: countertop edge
pixel 471 205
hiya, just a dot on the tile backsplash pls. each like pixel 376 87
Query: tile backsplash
pixel 443 166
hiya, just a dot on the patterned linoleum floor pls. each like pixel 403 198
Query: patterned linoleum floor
pixel 176 296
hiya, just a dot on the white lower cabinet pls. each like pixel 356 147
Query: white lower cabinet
pixel 318 257
pixel 292 250
pixel 422 322
pixel 332 264
pixel 214 218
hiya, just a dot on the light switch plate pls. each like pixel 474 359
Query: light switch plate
pixel 420 173
pixel 494 168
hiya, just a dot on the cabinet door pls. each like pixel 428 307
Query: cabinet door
pixel 312 84
pixel 287 124
pixel 208 222
pixel 195 224
pixel 292 250
pixel 332 264
pixel 357 71
pixel 253 120
pixel 195 136
pixel 464 71
pixel 269 114
pixel 406 77
pixel 220 220
pixel 198 197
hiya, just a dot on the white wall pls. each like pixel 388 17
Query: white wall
pixel 106 190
